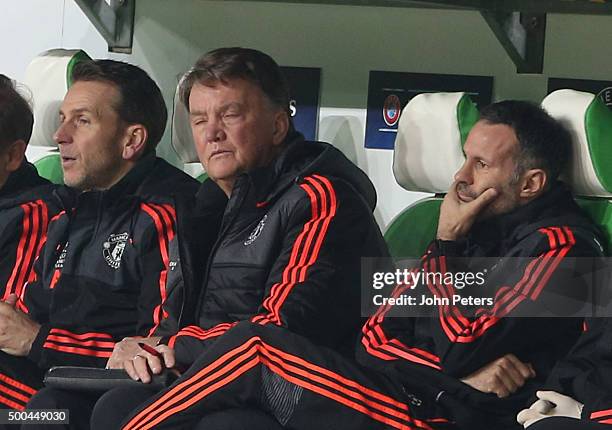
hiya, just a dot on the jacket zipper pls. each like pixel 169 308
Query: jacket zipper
pixel 226 222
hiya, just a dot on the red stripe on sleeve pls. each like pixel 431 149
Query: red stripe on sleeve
pixel 376 342
pixel 163 217
pixel 89 344
pixel 306 247
pixel 34 234
pixel 77 350
pixel 55 278
pixel 25 233
pixel 81 336
pixel 19 385
pixel 536 276
pixel 11 404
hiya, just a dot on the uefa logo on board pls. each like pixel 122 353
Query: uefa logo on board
pixel 606 96
pixel 392 108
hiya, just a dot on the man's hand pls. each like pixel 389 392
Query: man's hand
pixel 127 350
pixel 502 377
pixel 457 217
pixel 17 330
pixel 145 364
pixel 550 404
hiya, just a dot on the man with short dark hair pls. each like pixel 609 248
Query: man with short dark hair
pixel 543 147
pixel 296 225
pixel 107 269
pixel 16 123
pixel 21 194
pixel 25 210
pixel 459 367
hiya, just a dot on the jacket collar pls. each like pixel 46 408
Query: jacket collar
pixel 26 176
pixel 133 179
pixel 129 184
pixel 210 196
pixel 270 180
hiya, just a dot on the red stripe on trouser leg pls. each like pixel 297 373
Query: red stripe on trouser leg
pixel 600 414
pixel 317 380
pixel 180 391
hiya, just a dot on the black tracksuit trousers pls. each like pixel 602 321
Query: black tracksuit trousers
pixel 564 423
pixel 123 400
pixel 275 371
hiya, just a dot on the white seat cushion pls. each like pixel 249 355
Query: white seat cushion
pixel 428 147
pixel 589 121
pixel 182 138
pixel 48 78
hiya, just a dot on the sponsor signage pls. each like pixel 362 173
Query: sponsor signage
pixel 388 93
pixel 304 89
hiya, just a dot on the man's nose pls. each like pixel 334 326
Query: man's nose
pixel 213 132
pixel 464 174
pixel 63 134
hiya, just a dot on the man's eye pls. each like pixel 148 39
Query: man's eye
pixel 482 164
pixel 83 120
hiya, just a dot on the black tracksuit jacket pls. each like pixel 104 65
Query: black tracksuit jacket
pixel 25 209
pixel 109 268
pixel 288 251
pixel 542 236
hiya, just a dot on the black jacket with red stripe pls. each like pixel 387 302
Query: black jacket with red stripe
pixel 586 373
pixel 289 251
pixel 541 237
pixel 25 210
pixel 109 268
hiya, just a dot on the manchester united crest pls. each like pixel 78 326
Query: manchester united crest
pixel 256 232
pixel 113 249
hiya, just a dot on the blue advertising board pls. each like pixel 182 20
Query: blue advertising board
pixel 304 90
pixel 388 93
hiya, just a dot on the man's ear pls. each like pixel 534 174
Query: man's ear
pixel 533 183
pixel 281 127
pixel 136 137
pixel 16 154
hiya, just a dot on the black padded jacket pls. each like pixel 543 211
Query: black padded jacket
pixel 289 251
